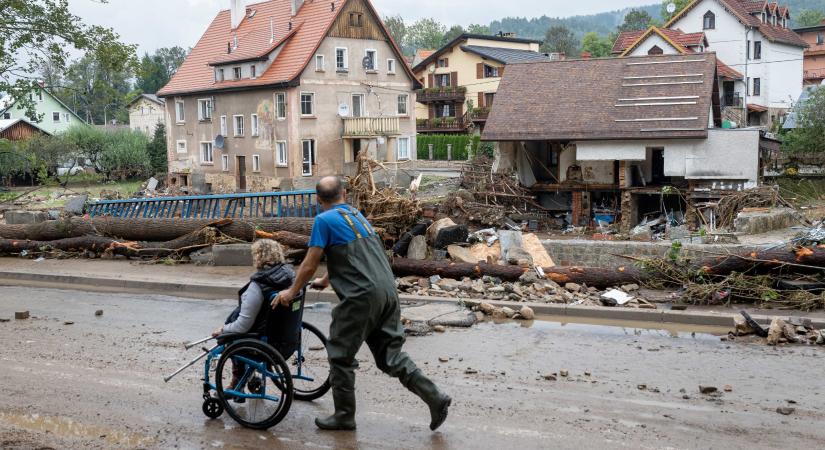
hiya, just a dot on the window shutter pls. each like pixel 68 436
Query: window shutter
pixel 446 62
pixel 453 79
pixel 431 111
pixel 430 80
pixel 459 109
pixel 481 100
pixel 479 71
pixel 501 71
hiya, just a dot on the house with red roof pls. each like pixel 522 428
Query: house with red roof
pixel 753 38
pixel 279 93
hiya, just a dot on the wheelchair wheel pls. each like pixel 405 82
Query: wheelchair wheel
pixel 212 408
pixel 310 365
pixel 263 393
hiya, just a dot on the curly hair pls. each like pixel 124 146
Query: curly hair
pixel 266 253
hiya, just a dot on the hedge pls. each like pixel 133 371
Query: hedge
pixel 459 143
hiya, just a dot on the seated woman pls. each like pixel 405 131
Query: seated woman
pixel 273 275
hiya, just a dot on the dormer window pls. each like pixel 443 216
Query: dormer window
pixel 219 75
pixel 655 50
pixel 236 71
pixel 709 21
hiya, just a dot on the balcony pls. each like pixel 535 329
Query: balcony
pixel 732 101
pixel 441 94
pixel 442 125
pixel 814 74
pixel 479 114
pixel 366 127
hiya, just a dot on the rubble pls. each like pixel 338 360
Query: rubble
pixel 21 315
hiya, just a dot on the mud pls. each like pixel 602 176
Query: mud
pixel 98 384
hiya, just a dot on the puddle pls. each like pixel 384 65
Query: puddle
pixel 624 327
pixel 61 426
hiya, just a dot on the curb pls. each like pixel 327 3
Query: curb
pixel 223 292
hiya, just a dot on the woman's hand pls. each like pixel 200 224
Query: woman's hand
pixel 217 332
pixel 284 298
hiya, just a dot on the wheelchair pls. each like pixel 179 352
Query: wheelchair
pixel 285 361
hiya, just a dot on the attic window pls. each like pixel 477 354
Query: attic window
pixel 655 50
pixel 356 19
pixel 709 21
pixel 236 71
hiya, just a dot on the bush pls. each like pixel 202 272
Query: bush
pixel 459 142
pixel 809 135
pixel 125 155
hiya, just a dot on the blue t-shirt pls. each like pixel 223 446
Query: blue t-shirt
pixel 331 228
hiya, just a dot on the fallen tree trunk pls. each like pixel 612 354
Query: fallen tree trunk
pixel 291 240
pixel 447 269
pixel 788 259
pixel 148 229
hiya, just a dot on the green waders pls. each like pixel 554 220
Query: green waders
pixel 361 276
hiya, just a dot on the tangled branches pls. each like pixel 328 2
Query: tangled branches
pixel 761 197
pixel 385 208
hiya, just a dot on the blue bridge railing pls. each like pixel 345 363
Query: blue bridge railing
pixel 259 204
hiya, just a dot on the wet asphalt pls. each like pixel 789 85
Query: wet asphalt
pixel 98 383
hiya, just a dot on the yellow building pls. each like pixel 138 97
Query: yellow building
pixel 460 80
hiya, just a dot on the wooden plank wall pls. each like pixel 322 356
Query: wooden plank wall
pixel 369 29
pixel 19 132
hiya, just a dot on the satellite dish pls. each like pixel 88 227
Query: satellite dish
pixel 343 110
pixel 671 8
pixel 220 141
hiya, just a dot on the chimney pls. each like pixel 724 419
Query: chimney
pixel 296 5
pixel 237 10
pixel 586 55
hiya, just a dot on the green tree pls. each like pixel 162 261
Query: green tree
pixel 454 32
pixel 680 5
pixel 809 134
pixel 598 46
pixel 101 86
pixel 157 150
pixel 475 28
pixel 426 33
pixel 155 71
pixel 810 18
pixel 398 30
pixel 35 31
pixel 636 19
pixel 559 39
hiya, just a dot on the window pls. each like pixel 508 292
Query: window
pixel 371 57
pixel 280 153
pixel 709 21
pixel 757 49
pixel 403 145
pixel 256 163
pixel 6 116
pixel 204 109
pixel 357 105
pixel 820 39
pixel 307 103
pixel 402 104
pixel 224 131
pixel 341 60
pixel 254 119
pixel 237 126
pixel 225 163
pixel 445 110
pixel 356 19
pixel 219 75
pixel 442 80
pixel 280 106
pixel 142 110
pixel 206 153
pixel 748 50
pixel 443 62
pixel 39 96
pixel 489 97
pixel 391 66
pixel 181 146
pixel 307 156
pixel 56 117
pixel 757 86
pixel 764 17
pixel 180 111
pixel 490 71
pixel 67 118
pixel 655 50
pixel 319 63
pixel 253 71
pixel 236 72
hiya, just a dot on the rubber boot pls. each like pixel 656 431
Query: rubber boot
pixel 437 401
pixel 344 416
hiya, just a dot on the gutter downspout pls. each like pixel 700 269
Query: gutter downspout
pixel 747 80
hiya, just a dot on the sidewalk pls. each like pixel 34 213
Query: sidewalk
pixel 212 283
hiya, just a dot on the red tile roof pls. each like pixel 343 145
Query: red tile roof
pixel 629 39
pixel 423 53
pixel 726 71
pixel 299 42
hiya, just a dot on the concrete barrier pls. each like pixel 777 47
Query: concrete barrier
pixel 25 217
pixel 763 222
pixel 232 255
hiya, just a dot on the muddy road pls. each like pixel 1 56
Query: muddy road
pixel 97 383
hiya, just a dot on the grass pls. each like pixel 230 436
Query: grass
pixel 92 187
pixel 802 191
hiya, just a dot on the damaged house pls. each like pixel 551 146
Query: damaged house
pixel 616 140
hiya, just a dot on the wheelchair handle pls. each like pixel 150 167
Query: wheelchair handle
pixel 189 364
pixel 193 344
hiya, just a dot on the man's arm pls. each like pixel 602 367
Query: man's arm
pixel 305 272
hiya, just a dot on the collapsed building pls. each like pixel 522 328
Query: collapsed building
pixel 614 140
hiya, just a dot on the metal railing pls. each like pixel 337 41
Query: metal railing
pixel 443 124
pixel 259 204
pixel 441 94
pixel 371 126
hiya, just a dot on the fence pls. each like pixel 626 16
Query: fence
pixel 437 147
pixel 260 204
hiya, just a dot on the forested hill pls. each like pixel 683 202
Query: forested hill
pixel 605 23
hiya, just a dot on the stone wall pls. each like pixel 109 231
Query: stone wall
pixel 763 222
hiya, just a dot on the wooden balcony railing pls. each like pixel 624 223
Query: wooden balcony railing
pixel 814 74
pixel 371 126
pixel 443 124
pixel 479 114
pixel 441 94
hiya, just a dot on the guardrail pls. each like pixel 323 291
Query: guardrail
pixel 259 204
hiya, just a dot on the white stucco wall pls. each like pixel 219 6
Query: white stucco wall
pixel 610 151
pixel 654 39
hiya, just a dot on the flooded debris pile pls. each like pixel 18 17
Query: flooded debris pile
pixel 791 330
pixel 730 205
pixel 385 207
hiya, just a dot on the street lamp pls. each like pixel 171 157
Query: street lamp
pixel 105 119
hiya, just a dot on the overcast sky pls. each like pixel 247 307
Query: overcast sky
pixel 165 23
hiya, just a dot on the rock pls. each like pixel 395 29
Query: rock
pixel 418 248
pixel 76 205
pixel 527 313
pixel 801 330
pixel 529 277
pixel 564 372
pixel 68 322
pixel 538 254
pixel 775 331
pixel 479 316
pixel 449 284
pixel 470 371
pixel 4 320
pixel 500 314
pixel 509 312
pixel 820 340
pixel 707 389
pixel 21 315
pixel 630 287
pixel 496 289
pixel 486 308
pixel 434 279
pixel 549 377
pixel 462 254
pixel 641 387
pixel 727 388
pixel 99 312
pixel 202 257
pixel 785 410
pixel 573 287
pixel 741 326
pixel 478 287
pixel 518 256
pixel 439 328
pixel 443 359
pixel 789 332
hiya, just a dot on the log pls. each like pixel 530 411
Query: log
pixel 291 240
pixel 446 269
pixel 149 229
pixel 780 259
